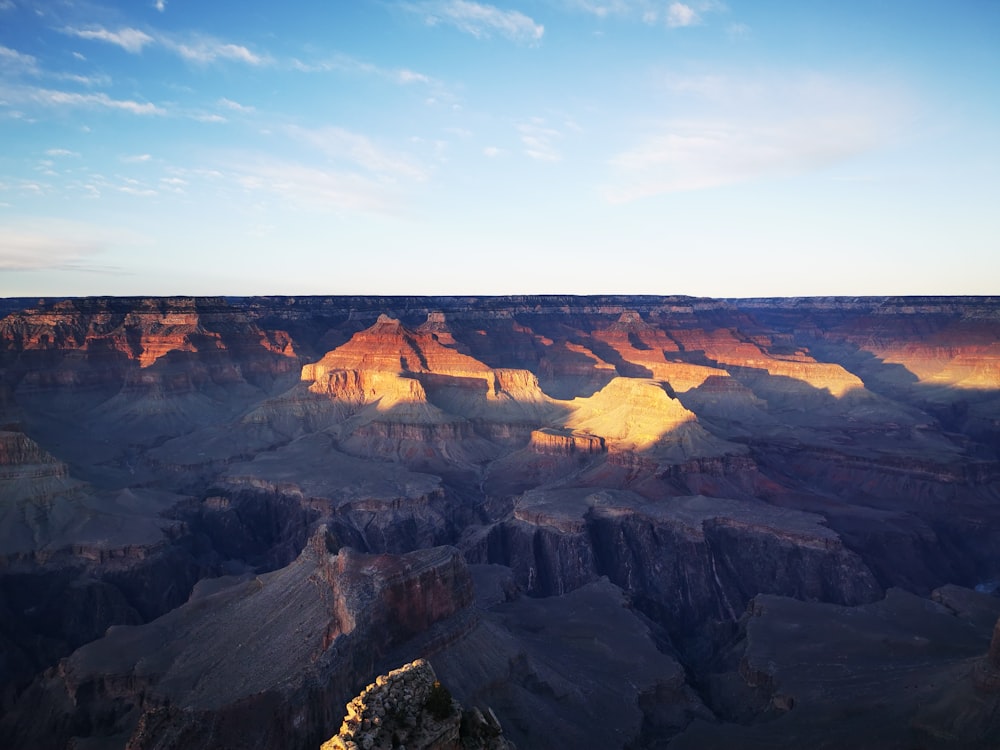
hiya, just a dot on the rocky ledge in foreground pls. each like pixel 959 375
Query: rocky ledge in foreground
pixel 409 708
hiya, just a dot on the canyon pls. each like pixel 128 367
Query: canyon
pixel 602 521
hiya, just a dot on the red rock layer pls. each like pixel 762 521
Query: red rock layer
pixel 388 346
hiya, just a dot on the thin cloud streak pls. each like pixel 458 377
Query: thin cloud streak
pixel 22 250
pixel 539 140
pixel 14 61
pixel 55 98
pixel 235 106
pixel 480 20
pixel 358 150
pixel 130 40
pixel 201 49
pixel 675 15
pixel 205 50
pixel 347 64
pixel 326 190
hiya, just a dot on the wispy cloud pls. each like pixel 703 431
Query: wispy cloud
pixel 673 15
pixel 60 152
pixel 405 76
pixel 754 129
pixel 604 8
pixel 340 171
pixel 204 49
pixel 130 40
pixel 90 81
pixel 313 187
pixel 232 106
pixel 679 14
pixel 31 250
pixel 347 64
pixel 17 62
pixel 199 49
pixel 738 31
pixel 173 185
pixel 359 152
pixel 101 100
pixel 480 20
pixel 160 5
pixel 539 140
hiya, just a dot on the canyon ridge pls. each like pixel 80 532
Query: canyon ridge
pixel 600 521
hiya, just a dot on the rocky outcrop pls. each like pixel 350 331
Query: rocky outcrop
pixel 28 474
pixel 258 664
pixel 549 440
pixel 409 707
pixel 389 346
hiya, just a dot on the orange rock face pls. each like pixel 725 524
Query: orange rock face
pixel 388 346
pixel 723 347
pixel 654 350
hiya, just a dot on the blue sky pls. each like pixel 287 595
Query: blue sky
pixel 739 148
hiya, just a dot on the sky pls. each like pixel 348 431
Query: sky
pixel 743 148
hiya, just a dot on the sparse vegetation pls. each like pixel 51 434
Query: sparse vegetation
pixel 438 702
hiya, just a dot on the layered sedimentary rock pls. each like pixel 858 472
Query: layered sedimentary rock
pixel 653 462
pixel 548 440
pixel 27 472
pixel 689 559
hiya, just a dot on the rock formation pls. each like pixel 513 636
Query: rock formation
pixel 252 664
pixel 409 707
pixel 220 518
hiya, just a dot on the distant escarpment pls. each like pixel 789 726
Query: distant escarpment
pixel 220 518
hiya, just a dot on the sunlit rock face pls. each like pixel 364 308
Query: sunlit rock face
pixel 657 478
pixel 409 707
